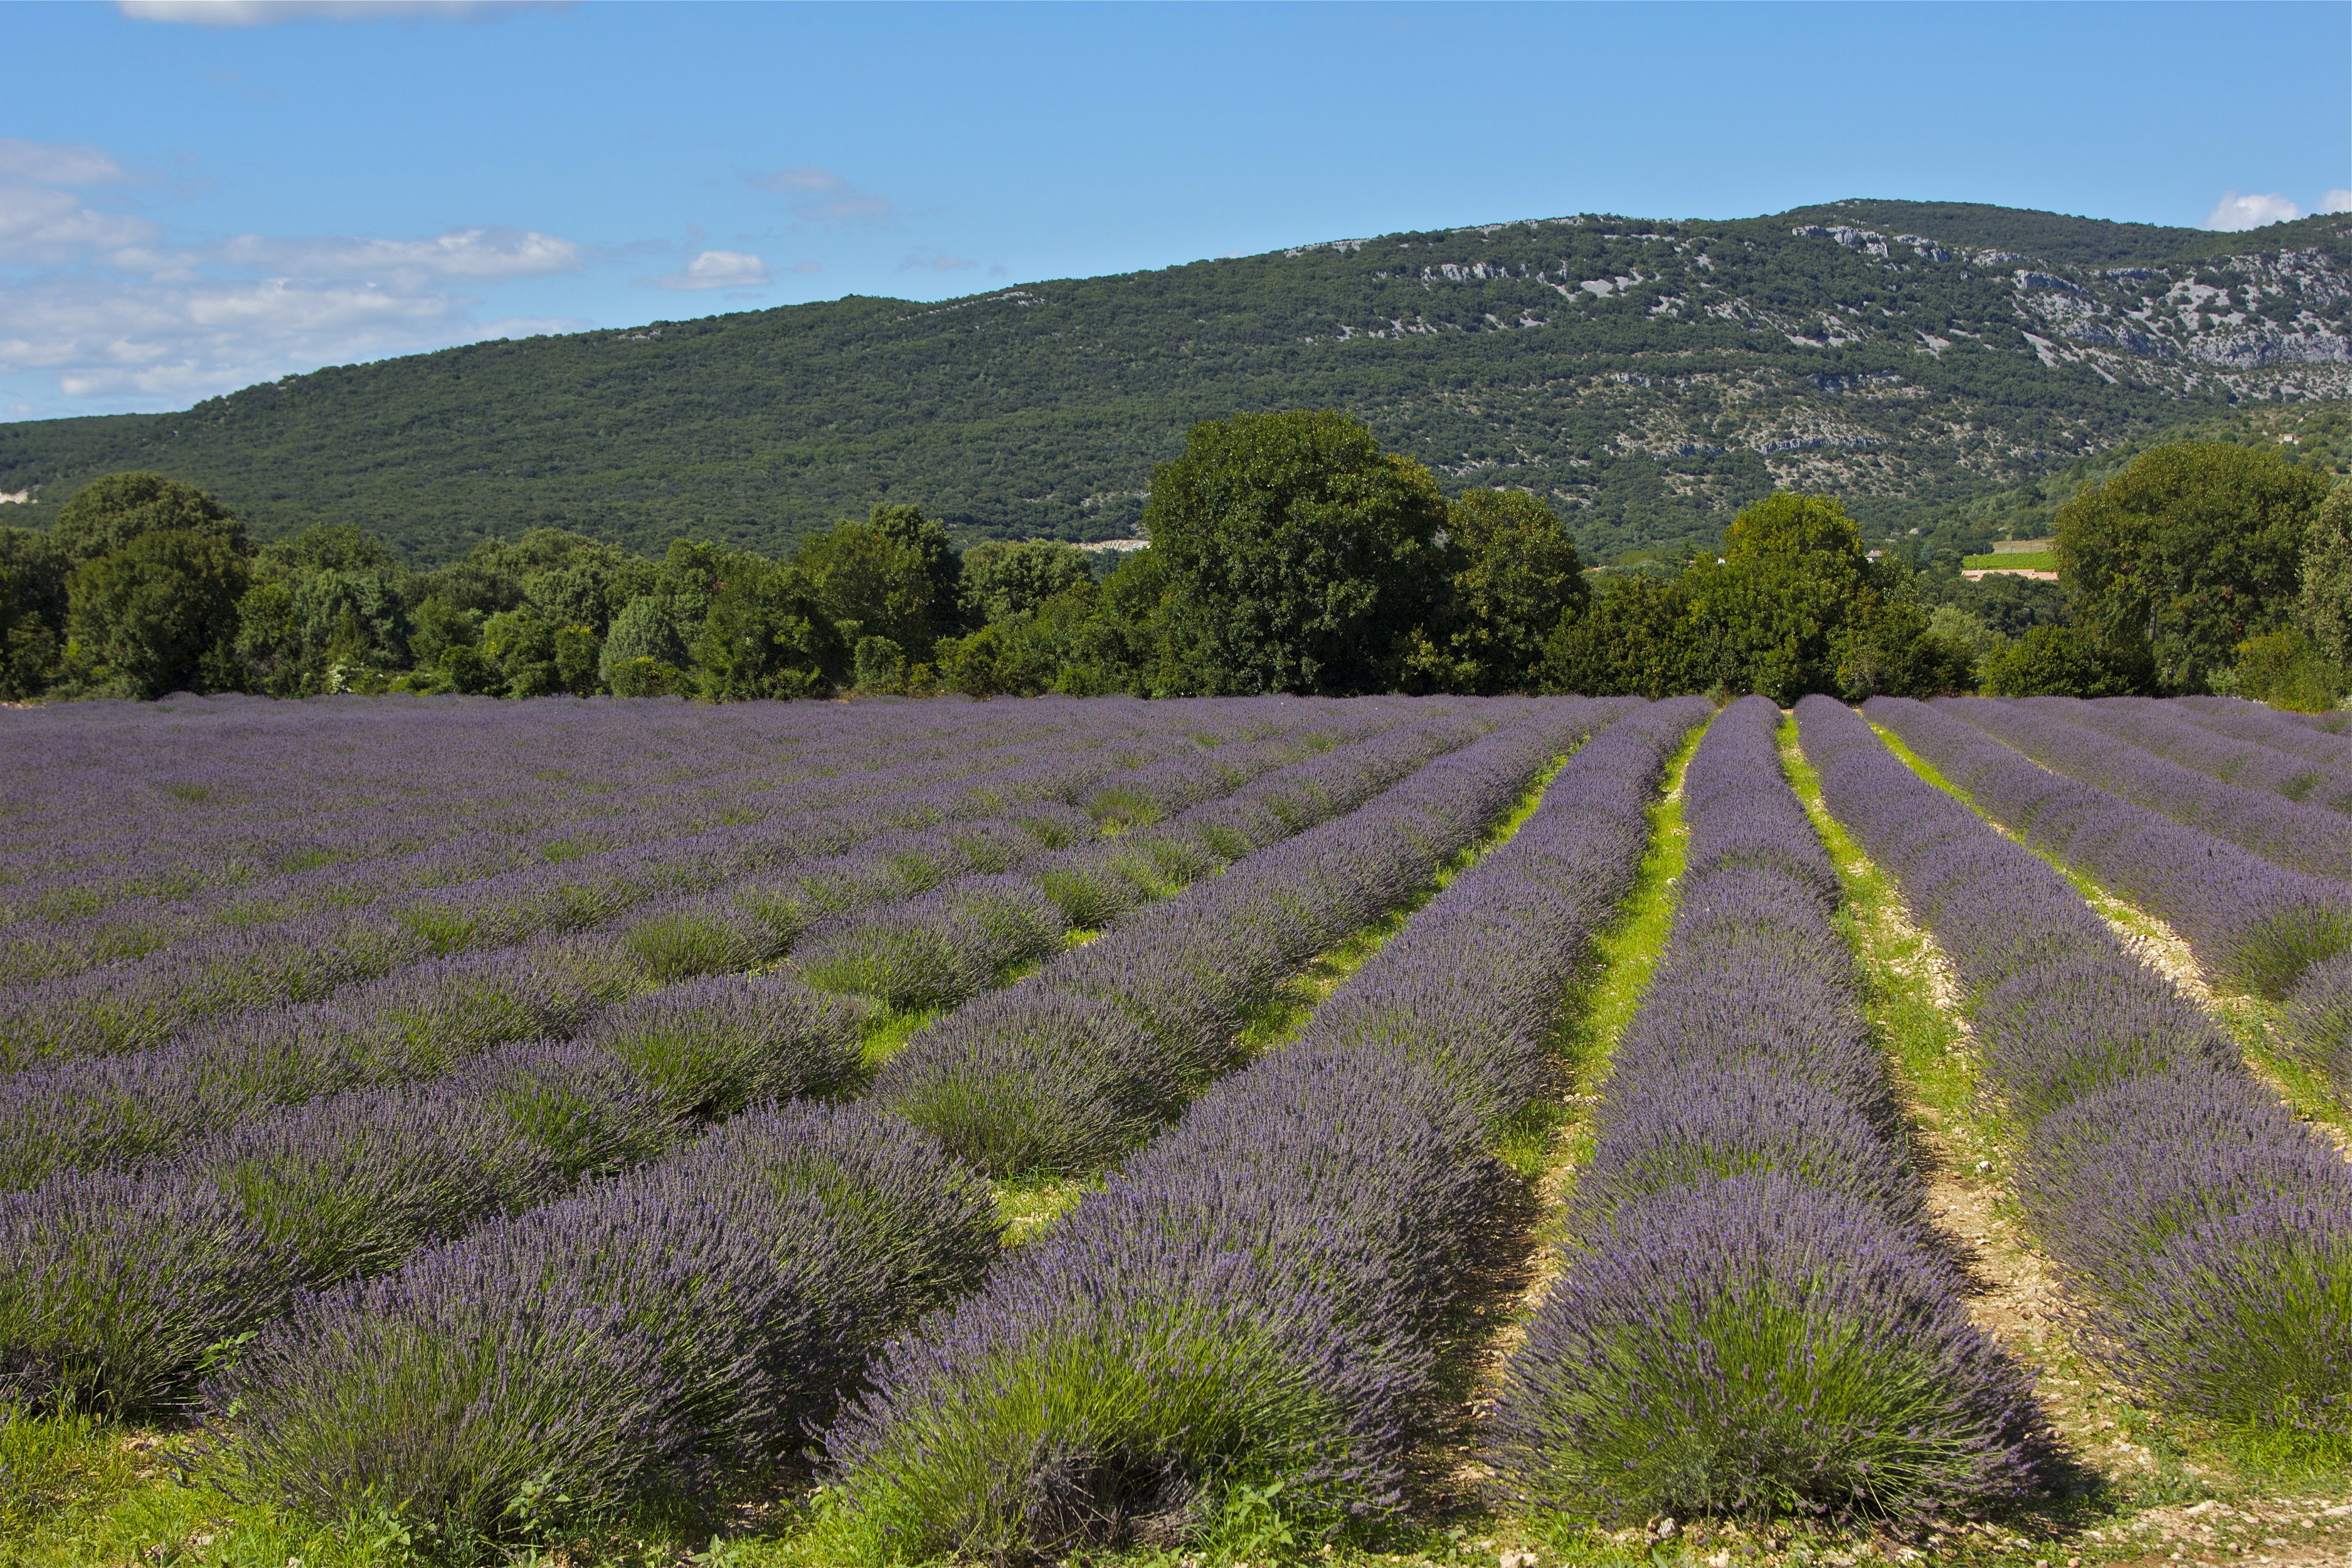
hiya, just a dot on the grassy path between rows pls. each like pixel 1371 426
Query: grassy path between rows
pixel 2136 1485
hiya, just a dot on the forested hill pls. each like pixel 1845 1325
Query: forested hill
pixel 1646 377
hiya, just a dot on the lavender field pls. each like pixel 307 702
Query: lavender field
pixel 1214 1131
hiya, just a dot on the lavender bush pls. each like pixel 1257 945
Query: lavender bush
pixel 2181 735
pixel 712 1047
pixel 2302 838
pixel 666 1331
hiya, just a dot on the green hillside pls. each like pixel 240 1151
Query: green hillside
pixel 1648 377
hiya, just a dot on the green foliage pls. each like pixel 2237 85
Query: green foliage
pixel 1516 574
pixel 157 615
pixel 766 635
pixel 2324 605
pixel 893 575
pixel 533 654
pixel 109 513
pixel 1792 605
pixel 2064 661
pixel 652 629
pixel 1297 555
pixel 1629 643
pixel 1001 581
pixel 32 611
pixel 324 607
pixel 2195 548
pixel 2287 670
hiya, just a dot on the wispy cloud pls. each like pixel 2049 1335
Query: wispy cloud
pixel 715 269
pixel 58 164
pixel 932 261
pixel 2235 212
pixel 274 12
pixel 819 196
pixel 489 254
pixel 2337 201
pixel 808 267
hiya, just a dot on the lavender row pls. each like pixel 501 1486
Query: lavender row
pixel 624 834
pixel 131 1006
pixel 2307 838
pixel 2265 726
pixel 2211 1231
pixel 1256 1298
pixel 671 1331
pixel 375 1357
pixel 2183 735
pixel 1751 1317
pixel 228 800
pixel 120 1311
pixel 113 1283
pixel 426 1021
pixel 1097 1050
pixel 2252 923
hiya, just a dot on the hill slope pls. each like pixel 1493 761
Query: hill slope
pixel 1644 375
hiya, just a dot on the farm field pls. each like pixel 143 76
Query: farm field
pixel 1210 1131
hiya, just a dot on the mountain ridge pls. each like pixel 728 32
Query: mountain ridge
pixel 1646 377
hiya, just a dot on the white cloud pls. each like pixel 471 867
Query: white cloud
pixel 819 196
pixel 55 164
pixel 42 228
pixel 2337 201
pixel 2235 212
pixel 100 305
pixel 175 342
pixel 489 254
pixel 715 269
pixel 271 13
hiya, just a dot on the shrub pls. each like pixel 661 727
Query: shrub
pixel 116 1287
pixel 357 1182
pixel 1752 1346
pixel 589 1110
pixel 712 1047
pixel 670 1331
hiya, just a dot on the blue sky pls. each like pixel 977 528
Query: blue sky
pixel 198 195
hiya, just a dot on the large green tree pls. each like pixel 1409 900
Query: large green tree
pixel 1296 555
pixel 32 611
pixel 158 615
pixel 1516 573
pixel 151 605
pixel 325 607
pixel 1793 606
pixel 1001 580
pixel 1630 641
pixel 2191 550
pixel 766 635
pixel 108 513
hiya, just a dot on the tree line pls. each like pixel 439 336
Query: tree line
pixel 1290 553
